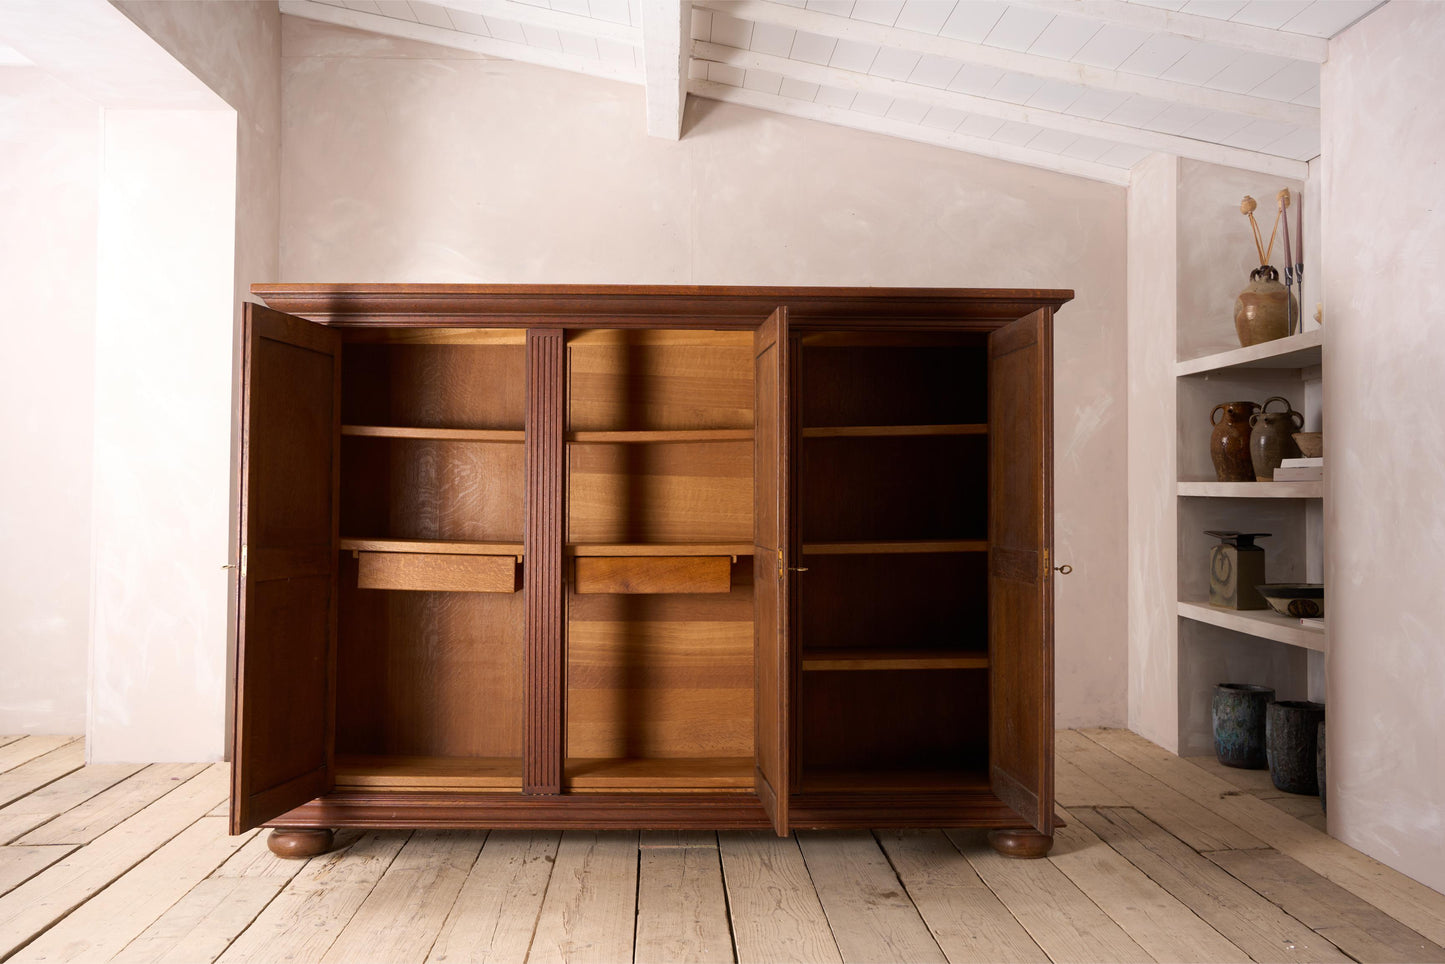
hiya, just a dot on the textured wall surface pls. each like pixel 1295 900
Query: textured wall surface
pixel 1385 426
pixel 408 163
pixel 49 155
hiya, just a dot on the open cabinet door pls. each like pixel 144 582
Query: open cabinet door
pixel 1020 593
pixel 772 559
pixel 286 612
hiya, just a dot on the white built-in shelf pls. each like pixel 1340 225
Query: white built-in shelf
pixel 1253 490
pixel 1263 623
pixel 1296 351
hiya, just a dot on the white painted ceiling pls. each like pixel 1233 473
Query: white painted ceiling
pixel 1087 87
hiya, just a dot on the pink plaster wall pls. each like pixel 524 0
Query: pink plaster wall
pixel 403 162
pixel 1383 135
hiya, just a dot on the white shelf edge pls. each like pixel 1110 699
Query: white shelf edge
pixel 1296 351
pixel 1260 622
pixel 1253 490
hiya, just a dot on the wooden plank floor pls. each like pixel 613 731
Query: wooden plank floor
pixel 1162 859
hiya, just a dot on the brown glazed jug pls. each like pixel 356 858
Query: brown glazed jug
pixel 1272 439
pixel 1229 442
pixel 1262 310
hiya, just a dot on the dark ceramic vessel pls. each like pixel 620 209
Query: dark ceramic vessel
pixel 1238 713
pixel 1292 742
pixel 1229 442
pixel 1271 438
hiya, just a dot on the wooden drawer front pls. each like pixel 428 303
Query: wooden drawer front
pixel 436 572
pixel 653 574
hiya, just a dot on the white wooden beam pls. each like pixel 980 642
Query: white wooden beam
pixel 666 32
pixel 1013 61
pixel 913 132
pixel 1002 110
pixel 1241 36
pixel 525 13
pixel 390 26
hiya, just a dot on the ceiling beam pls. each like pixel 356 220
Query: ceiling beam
pixel 1002 110
pixel 490 46
pixel 1241 36
pixel 1013 61
pixel 666 35
pixel 913 132
pixel 525 13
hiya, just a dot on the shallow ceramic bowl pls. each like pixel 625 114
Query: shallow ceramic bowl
pixel 1311 444
pixel 1302 599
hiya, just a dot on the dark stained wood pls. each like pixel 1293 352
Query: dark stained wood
pixel 653 574
pixel 1021 597
pixel 545 523
pixel 299 843
pixel 502 811
pixel 774 554
pixel 286 608
pixel 1028 844
pixel 472 387
pixel 636 306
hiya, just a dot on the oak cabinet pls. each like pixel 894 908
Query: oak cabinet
pixel 566 556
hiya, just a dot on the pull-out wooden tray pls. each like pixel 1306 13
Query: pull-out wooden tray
pixel 652 574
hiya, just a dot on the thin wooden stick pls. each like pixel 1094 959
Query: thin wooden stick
pixel 1246 207
pixel 1269 250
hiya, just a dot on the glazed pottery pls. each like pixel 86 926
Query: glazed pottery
pixel 1311 444
pixel 1300 599
pixel 1238 714
pixel 1291 729
pixel 1271 438
pixel 1261 312
pixel 1320 763
pixel 1229 442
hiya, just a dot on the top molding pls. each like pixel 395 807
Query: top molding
pixel 652 306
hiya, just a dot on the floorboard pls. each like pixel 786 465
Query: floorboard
pixel 1159 858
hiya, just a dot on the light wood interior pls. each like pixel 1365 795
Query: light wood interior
pixel 429 662
pixel 892 627
pixel 659 603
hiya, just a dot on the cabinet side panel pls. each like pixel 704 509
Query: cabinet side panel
pixel 545 518
pixel 1020 580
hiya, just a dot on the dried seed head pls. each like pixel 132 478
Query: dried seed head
pixel 1247 206
pixel 1283 198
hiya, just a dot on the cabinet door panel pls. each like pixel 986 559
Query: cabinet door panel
pixel 1021 644
pixel 772 557
pixel 286 612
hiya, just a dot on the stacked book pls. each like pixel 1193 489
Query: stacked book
pixel 1300 470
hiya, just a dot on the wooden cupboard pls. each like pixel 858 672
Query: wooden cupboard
pixel 664 557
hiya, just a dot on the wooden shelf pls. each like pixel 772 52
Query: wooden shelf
pixel 875 659
pixel 890 548
pixel 661 549
pixel 659 773
pixel 881 431
pixel 432 545
pixel 494 774
pixel 442 434
pixel 1264 623
pixel 813 780
pixel 1252 490
pixel 679 435
pixel 1297 351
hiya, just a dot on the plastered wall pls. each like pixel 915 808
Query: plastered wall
pixel 1383 135
pixel 403 162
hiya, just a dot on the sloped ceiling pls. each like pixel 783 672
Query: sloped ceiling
pixel 1086 87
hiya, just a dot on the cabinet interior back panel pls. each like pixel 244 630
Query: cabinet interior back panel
pixel 924 601
pixel 660 380
pixel 428 673
pixel 661 492
pixel 661 675
pixel 434 386
pixel 942 381
pixel 429 489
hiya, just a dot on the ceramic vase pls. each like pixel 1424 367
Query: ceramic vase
pixel 1291 732
pixel 1229 442
pixel 1271 438
pixel 1238 714
pixel 1262 310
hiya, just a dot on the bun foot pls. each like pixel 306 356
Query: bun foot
pixel 1021 843
pixel 299 842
